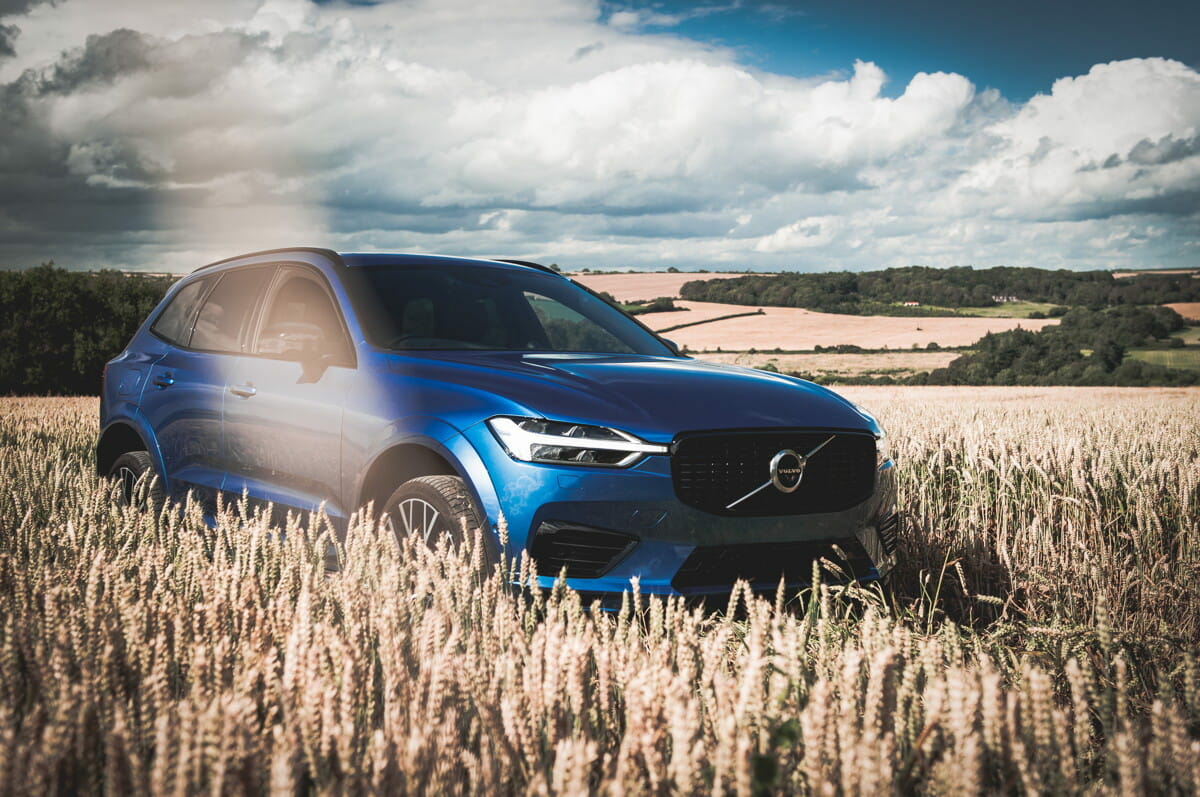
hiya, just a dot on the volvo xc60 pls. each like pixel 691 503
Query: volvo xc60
pixel 456 395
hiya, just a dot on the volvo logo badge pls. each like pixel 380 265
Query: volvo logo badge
pixel 787 470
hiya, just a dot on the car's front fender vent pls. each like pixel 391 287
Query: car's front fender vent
pixel 889 533
pixel 584 551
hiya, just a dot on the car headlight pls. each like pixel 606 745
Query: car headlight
pixel 557 443
pixel 883 449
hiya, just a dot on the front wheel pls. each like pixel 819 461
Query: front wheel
pixel 138 481
pixel 433 507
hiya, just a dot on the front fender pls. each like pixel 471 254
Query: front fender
pixel 448 443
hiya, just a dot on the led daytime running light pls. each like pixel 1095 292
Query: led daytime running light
pixel 531 446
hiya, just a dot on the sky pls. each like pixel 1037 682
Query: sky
pixel 159 135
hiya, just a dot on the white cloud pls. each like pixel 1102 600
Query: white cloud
pixel 804 234
pixel 1068 153
pixel 544 129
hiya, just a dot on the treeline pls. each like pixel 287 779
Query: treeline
pixel 880 292
pixel 58 328
pixel 663 304
pixel 1087 348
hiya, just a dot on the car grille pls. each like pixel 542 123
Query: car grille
pixel 584 551
pixel 712 470
pixel 762 564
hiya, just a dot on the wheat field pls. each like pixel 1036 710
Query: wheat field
pixel 1042 635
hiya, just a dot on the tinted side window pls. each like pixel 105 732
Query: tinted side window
pixel 302 309
pixel 174 323
pixel 222 323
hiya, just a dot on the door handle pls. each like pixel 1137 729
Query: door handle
pixel 244 391
pixel 163 380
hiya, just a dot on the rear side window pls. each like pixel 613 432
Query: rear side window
pixel 174 323
pixel 225 316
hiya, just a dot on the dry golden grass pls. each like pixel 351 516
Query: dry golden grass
pixel 1045 639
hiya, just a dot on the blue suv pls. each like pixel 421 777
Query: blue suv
pixel 457 395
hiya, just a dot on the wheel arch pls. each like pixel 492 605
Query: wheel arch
pixel 118 438
pixel 398 464
pixel 430 449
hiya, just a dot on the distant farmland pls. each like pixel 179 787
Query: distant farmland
pixel 1189 310
pixel 631 287
pixel 827 366
pixel 790 328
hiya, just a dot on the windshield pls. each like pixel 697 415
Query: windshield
pixel 490 308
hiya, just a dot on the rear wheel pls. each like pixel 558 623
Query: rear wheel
pixel 138 481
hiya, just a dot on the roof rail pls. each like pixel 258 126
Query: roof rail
pixel 529 263
pixel 332 255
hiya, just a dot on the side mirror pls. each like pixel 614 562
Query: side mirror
pixel 672 345
pixel 294 340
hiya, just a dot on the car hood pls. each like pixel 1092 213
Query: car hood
pixel 653 397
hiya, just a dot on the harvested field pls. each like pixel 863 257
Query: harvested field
pixel 897 363
pixel 1042 639
pixel 793 328
pixel 1189 310
pixel 1167 271
pixel 628 287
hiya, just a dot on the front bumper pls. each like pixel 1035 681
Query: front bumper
pixel 668 547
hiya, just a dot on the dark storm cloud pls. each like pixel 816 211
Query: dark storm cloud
pixel 290 120
pixel 47 209
pixel 1179 204
pixel 8 38
pixel 9 33
pixel 44 167
pixel 27 146
pixel 180 68
pixel 1170 207
pixel 587 50
pixel 103 59
pixel 1167 149
pixel 9 8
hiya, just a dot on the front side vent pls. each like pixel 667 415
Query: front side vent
pixel 584 551
pixel 889 533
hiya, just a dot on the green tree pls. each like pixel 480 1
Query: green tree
pixel 61 327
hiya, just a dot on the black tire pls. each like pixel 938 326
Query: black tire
pixel 140 484
pixel 434 507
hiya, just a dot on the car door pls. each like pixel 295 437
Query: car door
pixel 284 403
pixel 205 328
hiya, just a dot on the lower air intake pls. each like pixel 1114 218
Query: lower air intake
pixel 763 564
pixel 584 551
